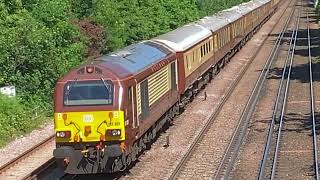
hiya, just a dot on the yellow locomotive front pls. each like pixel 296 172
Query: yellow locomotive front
pixel 89 126
pixel 89 121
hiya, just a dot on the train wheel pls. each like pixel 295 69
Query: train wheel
pixel 142 145
pixel 134 153
pixel 129 159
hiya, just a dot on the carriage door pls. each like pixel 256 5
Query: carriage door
pixel 144 99
pixel 130 110
pixel 173 76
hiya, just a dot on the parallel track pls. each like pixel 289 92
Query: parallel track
pixel 15 162
pixel 231 153
pixel 314 133
pixel 204 130
pixel 285 100
pixel 271 158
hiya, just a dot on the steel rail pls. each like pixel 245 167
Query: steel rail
pixel 274 114
pixel 231 153
pixel 184 159
pixel 24 155
pixel 314 133
pixel 285 100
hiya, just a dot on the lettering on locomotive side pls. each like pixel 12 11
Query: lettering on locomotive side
pixel 109 124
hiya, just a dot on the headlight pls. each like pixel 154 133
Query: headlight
pixel 113 132
pixel 63 134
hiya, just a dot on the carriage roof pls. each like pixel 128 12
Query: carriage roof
pixel 184 37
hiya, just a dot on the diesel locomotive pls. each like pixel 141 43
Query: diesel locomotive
pixel 106 111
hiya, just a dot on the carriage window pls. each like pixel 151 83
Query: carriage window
pixel 97 92
pixel 202 54
pixel 207 47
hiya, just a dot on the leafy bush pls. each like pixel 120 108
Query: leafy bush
pixel 209 7
pixel 38 43
pixel 15 119
pixel 36 48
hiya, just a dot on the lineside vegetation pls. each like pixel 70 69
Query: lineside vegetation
pixel 42 39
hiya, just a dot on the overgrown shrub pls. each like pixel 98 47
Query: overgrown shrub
pixel 36 48
pixel 15 118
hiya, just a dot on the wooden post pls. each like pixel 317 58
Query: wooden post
pixel 167 141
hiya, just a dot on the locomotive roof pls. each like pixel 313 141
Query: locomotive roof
pixel 136 57
pixel 184 37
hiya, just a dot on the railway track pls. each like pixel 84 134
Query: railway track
pixel 31 163
pixel 205 130
pixel 289 146
pixel 312 95
pixel 231 153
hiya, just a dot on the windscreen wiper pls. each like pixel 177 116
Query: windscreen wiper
pixel 69 89
pixel 107 86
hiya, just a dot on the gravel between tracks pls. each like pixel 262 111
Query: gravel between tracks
pixel 315 52
pixel 23 143
pixel 296 151
pixel 247 166
pixel 26 166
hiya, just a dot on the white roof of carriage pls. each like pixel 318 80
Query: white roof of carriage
pixel 184 37
pixel 213 23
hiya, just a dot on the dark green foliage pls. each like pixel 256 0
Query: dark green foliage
pixel 82 8
pixel 209 7
pixel 36 48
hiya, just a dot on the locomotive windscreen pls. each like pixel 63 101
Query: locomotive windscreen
pixel 96 92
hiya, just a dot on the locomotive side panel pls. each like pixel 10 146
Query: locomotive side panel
pixel 155 95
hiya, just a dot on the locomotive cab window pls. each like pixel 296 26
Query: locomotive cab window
pixel 97 92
